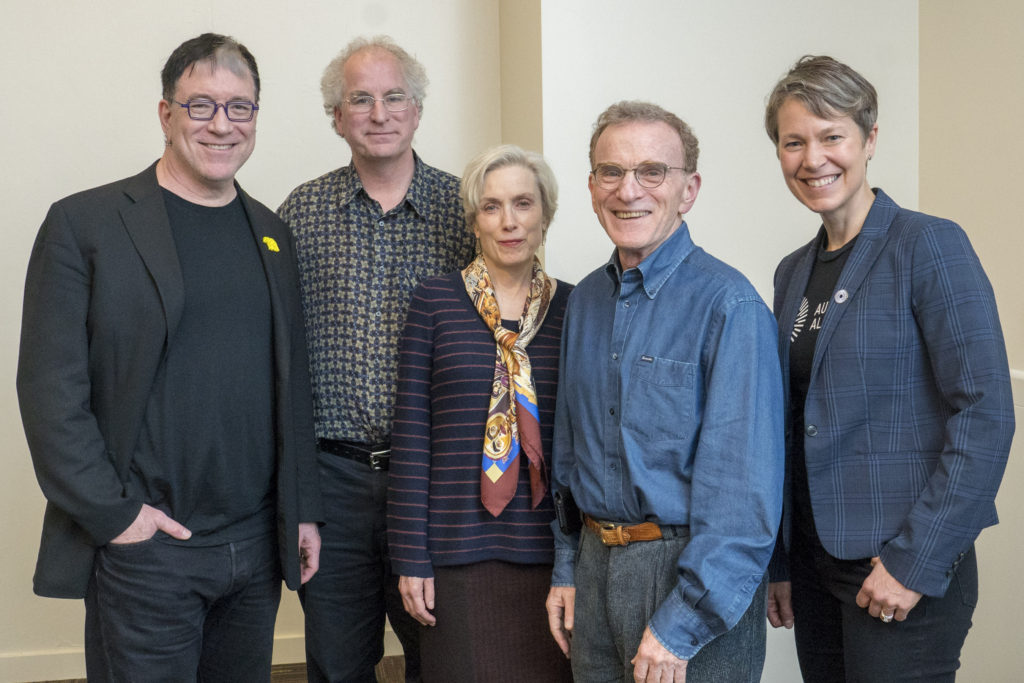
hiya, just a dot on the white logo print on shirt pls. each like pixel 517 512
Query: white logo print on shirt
pixel 801 318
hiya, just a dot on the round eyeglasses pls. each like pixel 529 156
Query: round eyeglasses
pixel 393 102
pixel 200 109
pixel 649 175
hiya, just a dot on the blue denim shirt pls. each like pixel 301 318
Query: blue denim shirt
pixel 670 411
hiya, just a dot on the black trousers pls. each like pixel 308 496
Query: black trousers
pixel 838 641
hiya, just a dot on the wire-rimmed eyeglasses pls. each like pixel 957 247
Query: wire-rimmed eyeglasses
pixel 649 175
pixel 201 109
pixel 393 102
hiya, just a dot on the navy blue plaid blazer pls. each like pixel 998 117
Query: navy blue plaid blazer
pixel 909 415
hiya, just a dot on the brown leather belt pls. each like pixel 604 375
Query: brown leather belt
pixel 617 534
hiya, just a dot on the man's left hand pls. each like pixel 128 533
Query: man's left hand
pixel 309 550
pixel 881 594
pixel 654 664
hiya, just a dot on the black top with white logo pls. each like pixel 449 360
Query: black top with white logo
pixel 818 297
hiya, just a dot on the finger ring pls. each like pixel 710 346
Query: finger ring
pixel 886 618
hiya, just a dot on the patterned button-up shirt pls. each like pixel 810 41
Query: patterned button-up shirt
pixel 358 267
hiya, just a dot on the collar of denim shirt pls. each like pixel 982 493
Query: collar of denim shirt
pixel 656 269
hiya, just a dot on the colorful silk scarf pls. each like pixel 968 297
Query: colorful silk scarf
pixel 512 420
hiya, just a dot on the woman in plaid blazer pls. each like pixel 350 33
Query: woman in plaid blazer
pixel 900 413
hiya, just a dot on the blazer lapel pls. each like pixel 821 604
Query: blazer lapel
pixel 150 231
pixel 865 252
pixel 792 297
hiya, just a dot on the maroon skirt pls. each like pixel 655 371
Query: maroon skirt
pixel 491 626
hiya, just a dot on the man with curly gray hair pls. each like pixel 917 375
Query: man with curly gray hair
pixel 366 235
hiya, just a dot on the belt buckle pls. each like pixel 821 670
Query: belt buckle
pixel 379 459
pixel 613 534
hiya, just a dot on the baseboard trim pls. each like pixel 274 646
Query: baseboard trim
pixel 64 663
pixel 44 665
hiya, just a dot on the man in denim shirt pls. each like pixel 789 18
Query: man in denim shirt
pixel 668 431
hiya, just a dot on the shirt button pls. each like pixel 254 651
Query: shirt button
pixel 693 641
pixel 380 223
pixel 811 430
pixel 626 305
pixel 615 356
pixel 611 411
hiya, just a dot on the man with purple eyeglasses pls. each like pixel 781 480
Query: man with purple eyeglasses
pixel 164 390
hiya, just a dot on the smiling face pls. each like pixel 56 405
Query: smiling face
pixel 202 157
pixel 638 219
pixel 510 219
pixel 824 162
pixel 379 135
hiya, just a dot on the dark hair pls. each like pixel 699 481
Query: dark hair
pixel 829 89
pixel 210 47
pixel 628 111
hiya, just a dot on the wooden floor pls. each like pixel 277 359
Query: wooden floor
pixel 389 670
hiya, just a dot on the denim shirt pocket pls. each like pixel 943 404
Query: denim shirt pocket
pixel 660 401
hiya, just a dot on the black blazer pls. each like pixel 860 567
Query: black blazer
pixel 103 297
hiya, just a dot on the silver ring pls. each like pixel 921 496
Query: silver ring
pixel 886 618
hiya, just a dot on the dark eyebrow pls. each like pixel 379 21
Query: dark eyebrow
pixel 232 98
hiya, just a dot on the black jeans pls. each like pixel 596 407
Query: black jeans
pixel 162 612
pixel 838 641
pixel 346 600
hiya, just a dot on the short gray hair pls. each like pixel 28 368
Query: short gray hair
pixel 333 86
pixel 829 89
pixel 475 176
pixel 629 111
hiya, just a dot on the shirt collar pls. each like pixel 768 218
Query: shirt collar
pixel 421 195
pixel 658 266
pixel 418 195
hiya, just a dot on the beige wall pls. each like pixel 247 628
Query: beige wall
pixel 972 96
pixel 522 106
pixel 972 99
pixel 536 73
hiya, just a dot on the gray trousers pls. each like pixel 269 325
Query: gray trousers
pixel 619 588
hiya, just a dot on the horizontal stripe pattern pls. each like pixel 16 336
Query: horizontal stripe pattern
pixel 445 371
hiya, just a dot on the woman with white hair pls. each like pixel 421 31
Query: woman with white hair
pixel 469 510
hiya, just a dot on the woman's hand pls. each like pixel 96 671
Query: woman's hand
pixel 418 598
pixel 884 597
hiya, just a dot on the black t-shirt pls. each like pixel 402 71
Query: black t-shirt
pixel 206 454
pixel 819 295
